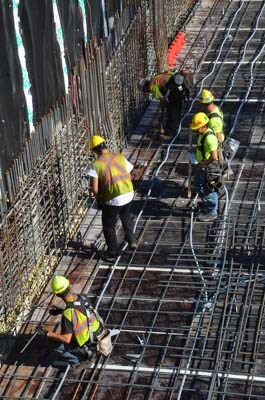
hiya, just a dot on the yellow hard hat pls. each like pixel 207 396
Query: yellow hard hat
pixel 198 121
pixel 59 284
pixel 206 97
pixel 95 141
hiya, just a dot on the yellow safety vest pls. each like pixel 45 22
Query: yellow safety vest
pixel 80 324
pixel 205 145
pixel 114 179
pixel 216 121
pixel 158 83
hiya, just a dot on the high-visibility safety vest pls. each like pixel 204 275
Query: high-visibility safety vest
pixel 80 324
pixel 158 84
pixel 205 145
pixel 114 179
pixel 216 121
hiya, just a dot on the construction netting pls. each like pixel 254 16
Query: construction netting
pixel 44 190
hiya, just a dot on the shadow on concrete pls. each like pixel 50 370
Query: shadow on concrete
pixel 154 208
pixel 38 353
pixel 161 189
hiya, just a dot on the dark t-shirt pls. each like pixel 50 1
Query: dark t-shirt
pixel 176 93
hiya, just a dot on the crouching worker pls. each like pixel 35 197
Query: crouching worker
pixel 171 90
pixel 80 326
pixel 207 179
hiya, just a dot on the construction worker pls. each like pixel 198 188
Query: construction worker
pixel 113 190
pixel 207 177
pixel 170 89
pixel 76 329
pixel 214 113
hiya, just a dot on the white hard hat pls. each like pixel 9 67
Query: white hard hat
pixel 178 78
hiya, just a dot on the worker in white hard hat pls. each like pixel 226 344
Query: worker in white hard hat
pixel 208 174
pixel 113 189
pixel 81 325
pixel 171 90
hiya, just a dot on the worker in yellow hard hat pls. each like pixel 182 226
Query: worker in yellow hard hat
pixel 171 90
pixel 113 190
pixel 214 113
pixel 95 141
pixel 208 173
pixel 81 325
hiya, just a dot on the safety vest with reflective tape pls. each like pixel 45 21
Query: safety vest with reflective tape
pixel 79 323
pixel 205 145
pixel 114 179
pixel 158 84
pixel 216 121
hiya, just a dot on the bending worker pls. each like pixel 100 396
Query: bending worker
pixel 76 328
pixel 207 176
pixel 113 190
pixel 216 118
pixel 170 89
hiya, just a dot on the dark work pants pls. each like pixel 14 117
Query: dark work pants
pixel 173 116
pixel 110 215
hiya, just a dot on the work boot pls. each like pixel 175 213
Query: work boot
pixel 110 255
pixel 132 245
pixel 165 136
pixel 81 366
pixel 89 354
pixel 207 217
pixel 60 364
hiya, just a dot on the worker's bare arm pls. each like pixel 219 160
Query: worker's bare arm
pixel 214 157
pixel 58 337
pixel 95 186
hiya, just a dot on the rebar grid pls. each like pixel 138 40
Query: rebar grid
pixel 44 198
pixel 227 343
pixel 46 211
pixel 156 293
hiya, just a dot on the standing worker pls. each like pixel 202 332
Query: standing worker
pixel 76 329
pixel 113 190
pixel 170 89
pixel 214 113
pixel 207 176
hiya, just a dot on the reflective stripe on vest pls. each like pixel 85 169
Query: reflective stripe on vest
pixel 114 179
pixel 80 324
pixel 162 79
pixel 110 163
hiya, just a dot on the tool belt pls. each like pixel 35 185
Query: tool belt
pixel 101 337
pixel 214 175
pixel 104 345
pixel 87 346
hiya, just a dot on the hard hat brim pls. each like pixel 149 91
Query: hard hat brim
pixel 194 128
pixel 95 141
pixel 205 102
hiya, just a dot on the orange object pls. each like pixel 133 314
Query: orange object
pixel 175 48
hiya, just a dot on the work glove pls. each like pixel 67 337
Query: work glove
pixel 55 310
pixel 41 330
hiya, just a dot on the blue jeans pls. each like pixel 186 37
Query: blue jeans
pixel 209 196
pixel 66 352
